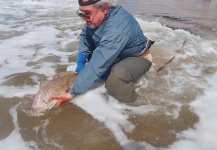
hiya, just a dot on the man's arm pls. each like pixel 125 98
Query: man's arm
pixel 85 48
pixel 103 56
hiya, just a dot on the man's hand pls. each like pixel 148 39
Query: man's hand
pixel 62 98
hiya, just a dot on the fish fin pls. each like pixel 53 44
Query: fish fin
pixel 51 104
pixel 43 83
pixel 55 76
pixel 61 74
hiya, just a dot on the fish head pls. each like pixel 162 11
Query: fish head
pixel 41 104
pixel 38 101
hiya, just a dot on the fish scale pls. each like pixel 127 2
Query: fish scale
pixel 58 85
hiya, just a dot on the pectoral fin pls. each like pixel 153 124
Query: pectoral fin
pixel 51 104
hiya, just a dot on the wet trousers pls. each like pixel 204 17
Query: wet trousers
pixel 124 74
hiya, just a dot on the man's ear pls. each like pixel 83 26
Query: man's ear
pixel 105 8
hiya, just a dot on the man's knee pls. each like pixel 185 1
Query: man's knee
pixel 113 79
pixel 121 73
pixel 119 86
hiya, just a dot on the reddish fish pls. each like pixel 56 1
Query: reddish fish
pixel 60 84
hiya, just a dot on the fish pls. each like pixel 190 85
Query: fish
pixel 60 84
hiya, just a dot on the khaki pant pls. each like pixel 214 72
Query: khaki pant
pixel 124 74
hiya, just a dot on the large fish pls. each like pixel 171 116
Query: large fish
pixel 58 85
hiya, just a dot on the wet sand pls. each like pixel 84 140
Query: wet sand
pixel 69 125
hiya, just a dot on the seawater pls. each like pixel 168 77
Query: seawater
pixel 175 108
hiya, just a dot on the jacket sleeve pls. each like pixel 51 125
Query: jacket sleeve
pixel 85 47
pixel 111 45
pixel 86 44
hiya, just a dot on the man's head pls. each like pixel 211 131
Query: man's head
pixel 93 11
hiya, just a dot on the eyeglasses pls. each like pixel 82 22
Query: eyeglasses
pixel 86 16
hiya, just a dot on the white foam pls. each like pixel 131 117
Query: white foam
pixel 39 24
pixel 17 91
pixel 112 113
pixel 14 140
pixel 72 67
pixel 203 137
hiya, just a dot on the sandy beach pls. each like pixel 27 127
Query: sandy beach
pixel 39 45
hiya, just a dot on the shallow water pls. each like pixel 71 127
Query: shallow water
pixel 196 16
pixel 175 108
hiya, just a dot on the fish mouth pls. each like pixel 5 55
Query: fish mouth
pixel 38 111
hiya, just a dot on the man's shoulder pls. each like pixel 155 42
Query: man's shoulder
pixel 120 19
pixel 119 11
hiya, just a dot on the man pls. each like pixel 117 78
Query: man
pixel 112 40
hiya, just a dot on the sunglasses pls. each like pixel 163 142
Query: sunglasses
pixel 85 16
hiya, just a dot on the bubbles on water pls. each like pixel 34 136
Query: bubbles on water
pixel 39 38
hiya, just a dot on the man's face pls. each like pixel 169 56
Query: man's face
pixel 92 15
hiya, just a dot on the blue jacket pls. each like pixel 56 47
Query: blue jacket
pixel 120 36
